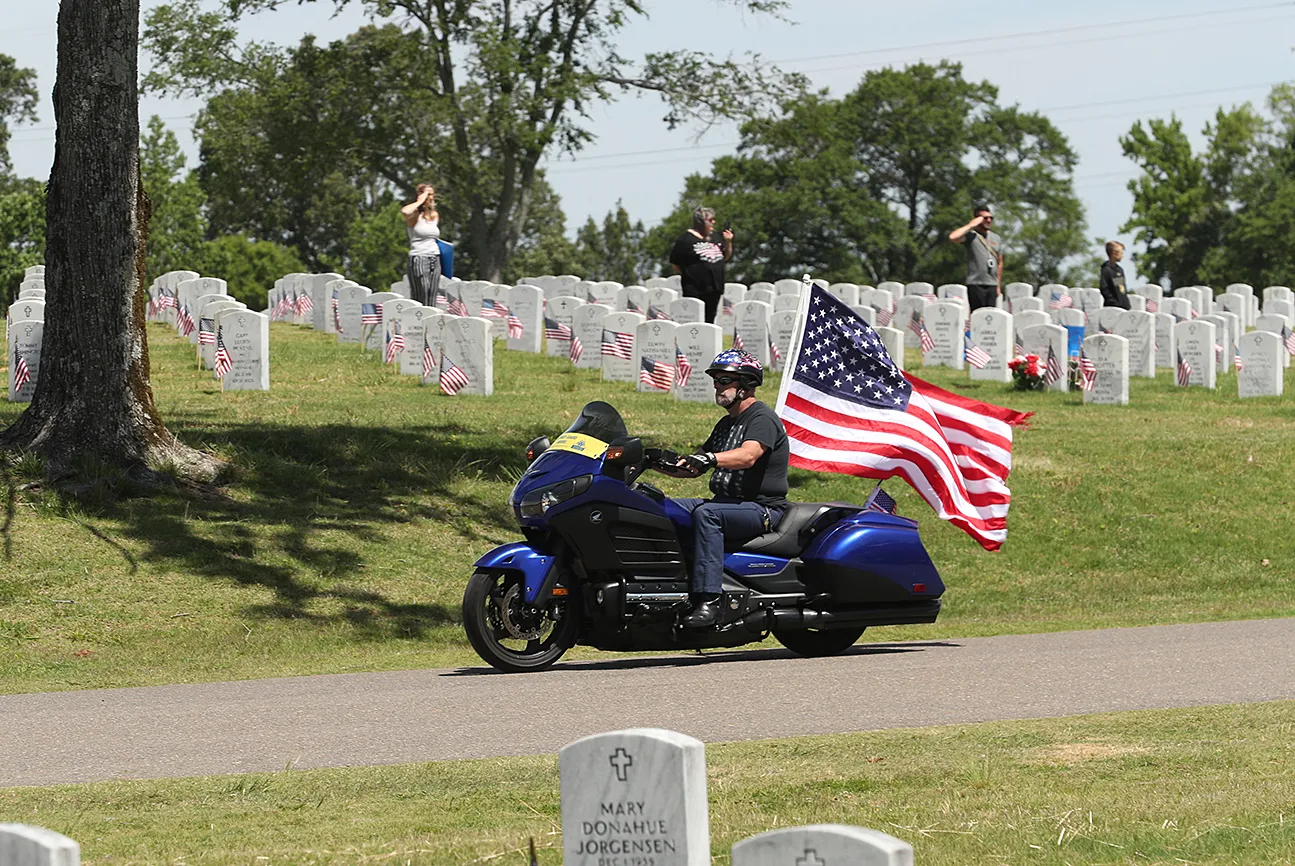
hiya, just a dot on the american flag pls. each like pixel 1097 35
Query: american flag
pixel 1052 371
pixel 976 356
pixel 1184 371
pixel 21 374
pixel 847 408
pixel 1060 301
pixel 1153 306
pixel 395 344
pixel 726 306
pixel 515 329
pixel 1288 340
pixel 453 379
pixel 884 315
pixel 429 358
pixel 737 341
pixel 206 332
pixel 618 345
pixel 184 321
pixel 632 307
pixel 928 342
pixel 684 365
pixel 337 315
pixel 577 350
pixel 304 304
pixel 165 299
pixel 555 330
pixel 880 501
pixel 1087 371
pixel 456 306
pixel 656 374
pixel 775 354
pixel 282 308
pixel 492 309
pixel 1019 349
pixel 1218 356
pixel 371 314
pixel 658 313
pixel 224 363
pixel 1236 358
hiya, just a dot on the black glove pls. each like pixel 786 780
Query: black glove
pixel 702 462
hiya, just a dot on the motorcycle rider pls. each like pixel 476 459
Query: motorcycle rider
pixel 748 451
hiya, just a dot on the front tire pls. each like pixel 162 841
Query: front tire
pixel 818 644
pixel 506 633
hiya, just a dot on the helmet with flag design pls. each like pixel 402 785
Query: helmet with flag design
pixel 741 363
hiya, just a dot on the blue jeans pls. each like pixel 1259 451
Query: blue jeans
pixel 713 523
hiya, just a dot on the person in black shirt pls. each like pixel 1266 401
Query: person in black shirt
pixel 749 452
pixel 698 257
pixel 1114 292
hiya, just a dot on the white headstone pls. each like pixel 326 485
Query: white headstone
pixel 620 361
pixel 465 343
pixel 946 321
pixel 31 295
pixel 689 310
pixel 884 303
pixel 526 303
pixel 33 271
pixel 1106 319
pixel 1234 302
pixel 909 310
pixel 751 328
pixel 1179 308
pixel 636 796
pixel 700 343
pixel 1029 305
pixel 734 293
pixel 788 302
pixel 822 845
pixel 781 325
pixel 653 282
pixel 1110 355
pixel 1195 343
pixel 246 335
pixel 1277 293
pixel 562 311
pixel 25 845
pixel 374 335
pixel 391 313
pixel 1166 346
pixel 321 299
pixel 1138 303
pixel 632 299
pixel 654 348
pixel 659 300
pixel 1154 295
pixel 211 311
pixel 786 287
pixel 349 301
pixel 919 288
pixel 1048 290
pixel 1039 339
pixel 587 326
pixel 413 327
pixel 991 330
pixel 1195 296
pixel 604 292
pixel 896 289
pixel 1028 318
pixel 400 287
pixel 1275 325
pixel 1138 327
pixel 494 303
pixel 951 290
pixel 894 341
pixel 332 312
pixel 1015 292
pixel 743 286
pixel 846 293
pixel 24 338
pixel 1278 307
pixel 1262 372
pixel 1223 351
pixel 30 309
pixel 1071 317
pixel 764 296
pixel 867 313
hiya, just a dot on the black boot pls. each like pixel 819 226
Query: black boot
pixel 704 612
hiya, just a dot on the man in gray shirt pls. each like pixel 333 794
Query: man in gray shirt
pixel 984 258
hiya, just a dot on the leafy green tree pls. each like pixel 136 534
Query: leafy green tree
pixel 248 266
pixel 22 233
pixel 615 250
pixel 867 188
pixel 18 99
pixel 474 92
pixel 178 225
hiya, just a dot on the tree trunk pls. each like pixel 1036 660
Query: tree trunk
pixel 93 398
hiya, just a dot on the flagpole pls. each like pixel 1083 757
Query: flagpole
pixel 793 351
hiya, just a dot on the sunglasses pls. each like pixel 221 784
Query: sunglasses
pixel 727 380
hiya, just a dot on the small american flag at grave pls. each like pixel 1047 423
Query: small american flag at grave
pixel 555 330
pixel 515 327
pixel 1183 371
pixel 429 359
pixel 21 373
pixel 224 362
pixel 684 365
pixel 457 307
pixel 656 374
pixel 395 344
pixel 206 332
pixel 1052 372
pixel 371 314
pixel 618 344
pixel 453 379
pixel 976 356
pixel 577 350
pixel 1087 371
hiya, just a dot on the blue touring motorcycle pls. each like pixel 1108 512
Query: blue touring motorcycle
pixel 605 564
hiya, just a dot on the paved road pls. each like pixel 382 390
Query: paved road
pixel 388 718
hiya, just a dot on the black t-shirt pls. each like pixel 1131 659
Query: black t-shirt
pixel 766 481
pixel 1114 294
pixel 700 263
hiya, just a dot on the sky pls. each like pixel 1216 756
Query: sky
pixel 1093 68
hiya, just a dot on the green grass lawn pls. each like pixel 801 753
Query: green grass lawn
pixel 1195 786
pixel 361 499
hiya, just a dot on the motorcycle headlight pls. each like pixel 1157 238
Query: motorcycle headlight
pixel 538 502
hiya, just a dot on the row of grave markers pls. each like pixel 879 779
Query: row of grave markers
pixel 230 340
pixel 628 798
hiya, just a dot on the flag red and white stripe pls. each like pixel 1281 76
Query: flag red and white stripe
pixel 656 374
pixel 21 373
pixel 684 365
pixel 955 452
pixel 453 379
pixel 1183 372
pixel 577 349
pixel 1087 371
pixel 429 359
pixel 976 356
pixel 1052 372
pixel 224 362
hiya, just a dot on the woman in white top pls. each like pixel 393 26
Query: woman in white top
pixel 423 225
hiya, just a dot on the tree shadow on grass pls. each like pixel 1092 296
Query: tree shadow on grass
pixel 290 483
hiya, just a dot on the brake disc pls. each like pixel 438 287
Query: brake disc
pixel 507 607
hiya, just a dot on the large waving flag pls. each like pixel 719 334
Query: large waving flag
pixel 848 409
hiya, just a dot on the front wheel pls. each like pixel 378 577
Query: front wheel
pixel 509 634
pixel 817 644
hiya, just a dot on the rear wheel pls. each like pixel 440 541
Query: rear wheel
pixel 510 634
pixel 816 644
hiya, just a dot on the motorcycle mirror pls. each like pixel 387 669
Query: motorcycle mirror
pixel 537 447
pixel 624 452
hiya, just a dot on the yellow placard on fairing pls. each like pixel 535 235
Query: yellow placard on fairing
pixel 578 443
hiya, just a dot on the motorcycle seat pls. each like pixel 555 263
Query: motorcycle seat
pixel 791 535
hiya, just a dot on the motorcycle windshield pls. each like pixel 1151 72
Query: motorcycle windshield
pixel 600 421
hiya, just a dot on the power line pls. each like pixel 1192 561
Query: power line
pixel 1105 25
